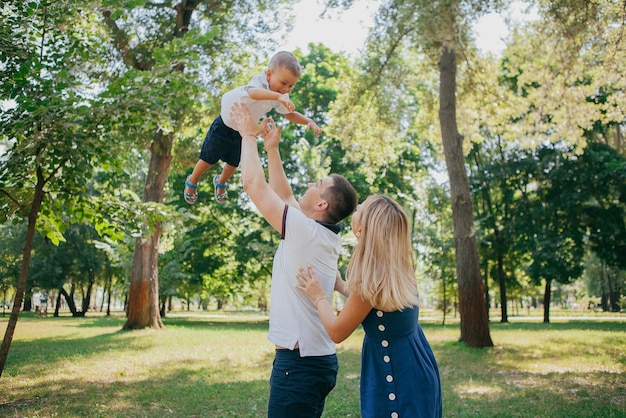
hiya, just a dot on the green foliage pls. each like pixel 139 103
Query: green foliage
pixel 53 128
pixel 10 254
pixel 542 209
pixel 565 73
pixel 81 111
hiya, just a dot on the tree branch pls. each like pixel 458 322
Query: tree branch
pixel 21 207
pixel 121 40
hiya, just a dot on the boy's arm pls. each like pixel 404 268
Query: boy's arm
pixel 299 118
pixel 264 198
pixel 257 93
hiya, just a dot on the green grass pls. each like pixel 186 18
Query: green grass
pixel 219 366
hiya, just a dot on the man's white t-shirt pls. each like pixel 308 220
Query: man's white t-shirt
pixel 293 316
pixel 258 108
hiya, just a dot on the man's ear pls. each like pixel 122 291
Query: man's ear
pixel 321 205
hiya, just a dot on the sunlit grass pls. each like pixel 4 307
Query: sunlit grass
pixel 219 366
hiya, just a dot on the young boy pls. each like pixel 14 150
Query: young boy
pixel 222 142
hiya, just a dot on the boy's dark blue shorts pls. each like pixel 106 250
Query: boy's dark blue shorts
pixel 221 143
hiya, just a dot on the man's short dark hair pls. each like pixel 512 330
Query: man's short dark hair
pixel 341 198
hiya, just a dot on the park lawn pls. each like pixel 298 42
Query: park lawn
pixel 219 366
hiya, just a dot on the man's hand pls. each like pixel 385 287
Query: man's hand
pixel 271 134
pixel 246 125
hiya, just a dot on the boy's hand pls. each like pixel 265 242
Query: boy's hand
pixel 313 126
pixel 284 100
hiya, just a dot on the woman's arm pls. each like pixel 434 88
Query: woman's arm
pixel 339 327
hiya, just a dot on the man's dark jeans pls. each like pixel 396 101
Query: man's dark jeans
pixel 299 385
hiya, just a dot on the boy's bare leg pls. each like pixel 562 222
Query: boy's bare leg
pixel 200 168
pixel 227 173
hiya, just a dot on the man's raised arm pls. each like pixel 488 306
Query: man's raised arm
pixel 253 177
pixel 278 178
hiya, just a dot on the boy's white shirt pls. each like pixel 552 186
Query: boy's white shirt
pixel 258 108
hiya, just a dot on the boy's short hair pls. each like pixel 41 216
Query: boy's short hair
pixel 341 198
pixel 285 59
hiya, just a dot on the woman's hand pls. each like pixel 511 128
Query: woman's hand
pixel 309 284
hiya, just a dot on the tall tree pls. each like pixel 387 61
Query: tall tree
pixel 165 48
pixel 52 128
pixel 438 30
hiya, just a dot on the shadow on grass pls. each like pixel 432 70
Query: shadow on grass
pixel 179 393
pixel 567 369
pixel 563 369
pixel 27 356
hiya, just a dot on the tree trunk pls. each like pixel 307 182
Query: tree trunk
pixel 486 288
pixel 86 303
pixel 502 283
pixel 546 301
pixel 474 321
pixel 143 297
pixel 26 255
pixel 109 297
pixel 445 301
pixel 69 298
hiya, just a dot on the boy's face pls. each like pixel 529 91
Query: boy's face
pixel 281 80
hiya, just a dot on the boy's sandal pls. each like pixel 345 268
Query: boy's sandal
pixel 222 195
pixel 190 197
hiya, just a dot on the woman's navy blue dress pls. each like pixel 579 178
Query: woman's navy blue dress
pixel 399 373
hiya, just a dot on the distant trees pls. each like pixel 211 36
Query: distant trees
pixel 540 210
pixel 104 107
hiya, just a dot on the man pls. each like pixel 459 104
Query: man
pixel 305 366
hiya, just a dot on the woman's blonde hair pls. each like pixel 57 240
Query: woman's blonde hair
pixel 381 267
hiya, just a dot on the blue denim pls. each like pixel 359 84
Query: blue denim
pixel 299 385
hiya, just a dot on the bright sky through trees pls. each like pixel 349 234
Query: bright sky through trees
pixel 346 31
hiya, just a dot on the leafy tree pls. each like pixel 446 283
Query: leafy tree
pixel 493 199
pixel 566 74
pixel 12 239
pixel 601 185
pixel 166 49
pixel 51 126
pixel 77 263
pixel 436 240
pixel 405 32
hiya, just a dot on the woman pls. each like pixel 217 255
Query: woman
pixel 399 373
